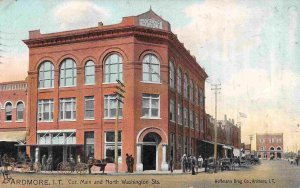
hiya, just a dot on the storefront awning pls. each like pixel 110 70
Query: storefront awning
pixel 227 147
pixel 47 145
pixel 210 142
pixel 12 136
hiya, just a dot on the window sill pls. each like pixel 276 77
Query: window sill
pixel 112 118
pixel 150 118
pixel 106 83
pixel 45 121
pixel 8 121
pixel 20 121
pixel 172 121
pixel 180 124
pixel 66 120
pixel 146 82
pixel 89 84
pixel 89 119
pixel 67 86
pixel 45 88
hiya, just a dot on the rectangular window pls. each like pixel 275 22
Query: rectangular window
pixel 172 145
pixel 197 123
pixel 172 110
pixel 67 109
pixel 45 110
pixel 110 107
pixel 179 114
pixel 89 107
pixel 89 145
pixel 109 146
pixel 191 119
pixel 185 117
pixel 151 106
pixel 202 124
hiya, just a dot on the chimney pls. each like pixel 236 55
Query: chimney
pixel 100 24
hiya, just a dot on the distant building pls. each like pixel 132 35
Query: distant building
pixel 13 102
pixel 268 145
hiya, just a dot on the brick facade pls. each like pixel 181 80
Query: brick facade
pixel 268 145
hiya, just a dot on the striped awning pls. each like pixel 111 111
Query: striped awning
pixel 12 136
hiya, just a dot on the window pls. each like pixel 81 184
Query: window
pixel 113 69
pixel 197 123
pixel 150 106
pixel 185 86
pixel 68 73
pixel 109 146
pixel 46 75
pixel 196 95
pixel 172 75
pixel 172 110
pixel 20 111
pixel 89 71
pixel 179 81
pixel 89 107
pixel 110 107
pixel 68 109
pixel 179 114
pixel 201 98
pixel 185 117
pixel 191 91
pixel 45 110
pixel 191 119
pixel 172 145
pixel 89 145
pixel 8 111
pixel 151 69
pixel 202 124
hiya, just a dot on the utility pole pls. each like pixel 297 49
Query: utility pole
pixel 216 88
pixel 119 96
pixel 251 138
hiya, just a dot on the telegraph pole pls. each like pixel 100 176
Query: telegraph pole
pixel 119 96
pixel 251 138
pixel 216 88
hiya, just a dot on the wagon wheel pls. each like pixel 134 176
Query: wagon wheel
pixel 64 167
pixel 37 167
pixel 25 168
pixel 13 166
pixel 81 168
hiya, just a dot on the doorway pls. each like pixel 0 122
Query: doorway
pixel 149 157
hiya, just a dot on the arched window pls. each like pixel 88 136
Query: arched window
pixel 279 148
pixel 46 75
pixel 89 71
pixel 8 111
pixel 172 75
pixel 185 86
pixel 191 91
pixel 151 69
pixel 68 73
pixel 272 148
pixel 20 111
pixel 179 81
pixel 196 95
pixel 113 69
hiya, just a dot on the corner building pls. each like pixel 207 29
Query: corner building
pixel 72 107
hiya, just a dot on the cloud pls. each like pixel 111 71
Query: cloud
pixel 14 68
pixel 79 14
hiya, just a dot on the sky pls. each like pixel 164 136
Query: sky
pixel 250 47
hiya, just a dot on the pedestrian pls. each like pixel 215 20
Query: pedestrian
pixel 189 163
pixel 205 164
pixel 193 164
pixel 131 163
pixel 183 163
pixel 44 158
pixel 128 162
pixel 90 163
pixel 297 159
pixel 49 163
pixel 171 164
pixel 200 161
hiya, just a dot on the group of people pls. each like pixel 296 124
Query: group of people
pixel 47 164
pixel 190 163
pixel 129 163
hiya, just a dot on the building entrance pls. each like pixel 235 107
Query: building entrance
pixel 149 157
